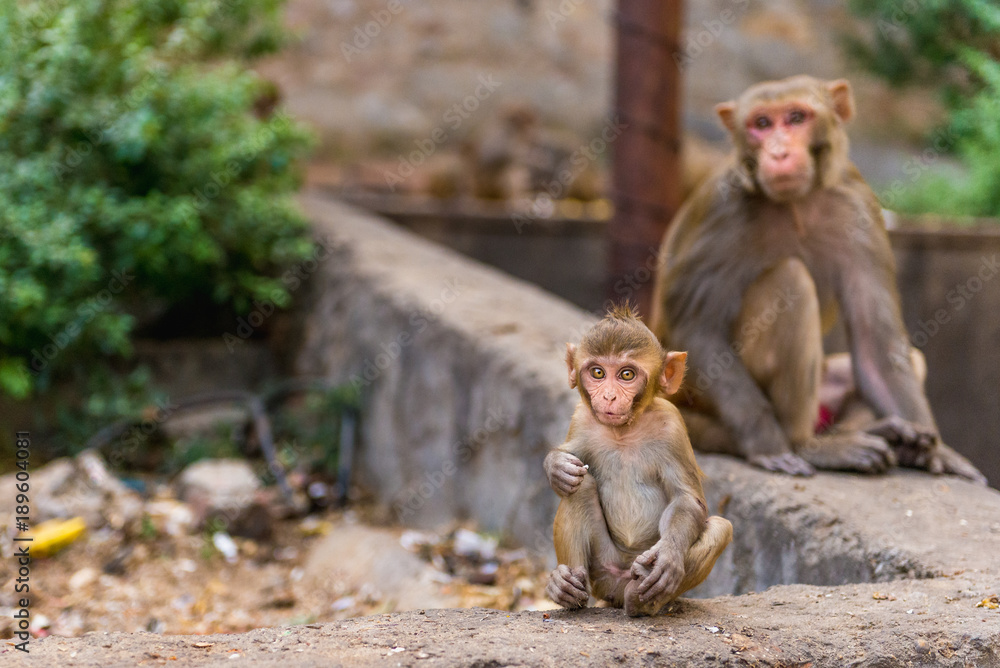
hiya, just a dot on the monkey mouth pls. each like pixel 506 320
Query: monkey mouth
pixel 614 418
pixel 786 187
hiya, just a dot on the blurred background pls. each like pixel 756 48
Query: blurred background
pixel 154 263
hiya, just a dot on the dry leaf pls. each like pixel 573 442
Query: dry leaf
pixel 990 602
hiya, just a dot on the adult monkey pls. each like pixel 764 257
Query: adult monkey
pixel 632 528
pixel 758 263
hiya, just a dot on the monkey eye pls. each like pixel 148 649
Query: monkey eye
pixel 796 117
pixel 762 122
pixel 627 374
pixel 597 372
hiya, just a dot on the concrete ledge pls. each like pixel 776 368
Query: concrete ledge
pixel 834 528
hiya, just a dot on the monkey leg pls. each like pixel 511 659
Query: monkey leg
pixel 781 344
pixel 707 433
pixel 587 556
pixel 698 563
pixel 779 339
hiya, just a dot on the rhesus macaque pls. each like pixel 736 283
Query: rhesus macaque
pixel 632 528
pixel 759 263
pixel 503 146
pixel 515 156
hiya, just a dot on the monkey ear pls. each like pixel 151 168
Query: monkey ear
pixel 674 365
pixel 843 99
pixel 571 364
pixel 727 114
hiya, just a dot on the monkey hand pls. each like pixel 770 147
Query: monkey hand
pixel 565 472
pixel 568 586
pixel 659 572
pixel 911 442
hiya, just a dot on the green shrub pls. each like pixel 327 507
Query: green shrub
pixel 957 45
pixel 134 173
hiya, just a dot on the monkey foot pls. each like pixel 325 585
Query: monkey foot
pixel 568 586
pixel 850 451
pixel 946 460
pixel 786 462
pixel 634 607
pixel 897 431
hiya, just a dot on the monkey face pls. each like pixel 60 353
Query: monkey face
pixel 780 136
pixel 779 129
pixel 612 384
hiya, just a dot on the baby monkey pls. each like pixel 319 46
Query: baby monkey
pixel 632 528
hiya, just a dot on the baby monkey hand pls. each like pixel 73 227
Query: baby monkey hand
pixel 565 472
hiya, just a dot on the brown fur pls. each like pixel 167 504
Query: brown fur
pixel 732 253
pixel 633 528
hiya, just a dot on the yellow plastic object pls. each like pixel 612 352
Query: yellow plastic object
pixel 53 535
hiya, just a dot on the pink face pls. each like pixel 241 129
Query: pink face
pixel 612 384
pixel 781 135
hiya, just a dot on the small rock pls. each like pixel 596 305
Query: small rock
pixel 285 553
pixel 343 603
pixel 226 490
pixel 39 626
pixel 116 564
pixel 282 599
pixel 83 578
pixel 471 544
pixel 369 561
pixel 81 487
pixel 414 540
pixel 171 517
pixel 486 575
pixel 224 543
pixel 185 566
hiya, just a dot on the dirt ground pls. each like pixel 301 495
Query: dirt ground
pixel 906 623
pixel 184 585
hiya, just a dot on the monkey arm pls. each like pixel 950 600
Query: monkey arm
pixel 682 522
pixel 880 352
pixel 660 569
pixel 886 379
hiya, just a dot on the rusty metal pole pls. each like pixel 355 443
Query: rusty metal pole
pixel 646 164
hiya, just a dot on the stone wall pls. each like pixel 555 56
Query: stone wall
pixel 374 76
